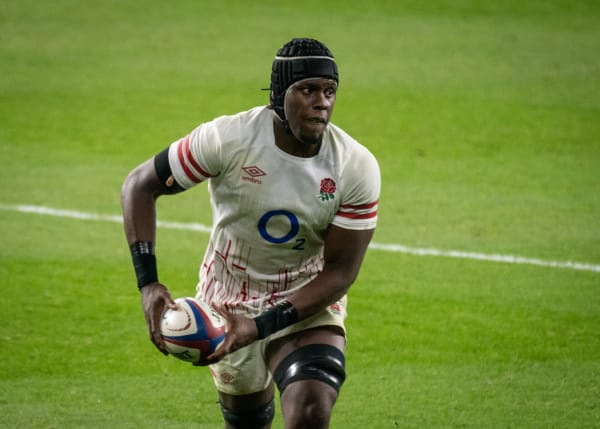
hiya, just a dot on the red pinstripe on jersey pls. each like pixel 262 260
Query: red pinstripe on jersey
pixel 362 211
pixel 191 168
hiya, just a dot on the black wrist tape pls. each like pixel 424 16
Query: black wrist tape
pixel 144 262
pixel 273 320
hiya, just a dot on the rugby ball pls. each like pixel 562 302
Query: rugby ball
pixel 193 330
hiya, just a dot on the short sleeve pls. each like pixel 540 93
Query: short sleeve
pixel 197 156
pixel 362 186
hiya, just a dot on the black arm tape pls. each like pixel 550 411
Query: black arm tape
pixel 163 169
pixel 273 320
pixel 144 262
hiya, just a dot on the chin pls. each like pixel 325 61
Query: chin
pixel 311 140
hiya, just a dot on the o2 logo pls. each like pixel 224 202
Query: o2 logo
pixel 290 235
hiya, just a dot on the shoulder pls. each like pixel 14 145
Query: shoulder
pixel 357 167
pixel 243 121
pixel 360 181
pixel 348 151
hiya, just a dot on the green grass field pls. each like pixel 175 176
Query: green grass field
pixel 485 117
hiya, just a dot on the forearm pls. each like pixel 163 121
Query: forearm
pixel 343 256
pixel 138 201
pixel 321 292
pixel 325 289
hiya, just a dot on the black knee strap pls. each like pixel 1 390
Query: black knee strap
pixel 320 362
pixel 254 419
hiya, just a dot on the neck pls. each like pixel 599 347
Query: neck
pixel 287 141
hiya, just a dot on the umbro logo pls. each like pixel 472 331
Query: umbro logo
pixel 252 173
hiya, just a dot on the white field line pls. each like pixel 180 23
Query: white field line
pixel 396 248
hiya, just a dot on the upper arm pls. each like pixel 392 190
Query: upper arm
pixel 343 255
pixel 145 180
pixel 345 250
pixel 141 180
pixel 139 192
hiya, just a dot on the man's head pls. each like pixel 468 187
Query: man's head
pixel 297 60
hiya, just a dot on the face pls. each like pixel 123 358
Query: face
pixel 308 108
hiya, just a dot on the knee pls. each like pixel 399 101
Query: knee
pixel 258 418
pixel 308 404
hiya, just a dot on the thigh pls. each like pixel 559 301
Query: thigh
pixel 242 372
pixel 308 367
pixel 280 348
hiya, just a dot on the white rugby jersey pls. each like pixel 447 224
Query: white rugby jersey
pixel 271 209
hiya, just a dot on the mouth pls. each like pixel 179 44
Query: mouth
pixel 317 120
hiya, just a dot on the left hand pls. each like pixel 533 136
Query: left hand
pixel 241 331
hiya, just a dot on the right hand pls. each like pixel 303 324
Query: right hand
pixel 240 332
pixel 155 300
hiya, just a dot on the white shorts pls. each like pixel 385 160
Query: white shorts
pixel 245 370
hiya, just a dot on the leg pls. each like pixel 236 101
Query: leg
pixel 308 368
pixel 253 411
pixel 307 404
pixel 245 388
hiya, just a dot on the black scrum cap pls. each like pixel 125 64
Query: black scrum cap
pixel 297 60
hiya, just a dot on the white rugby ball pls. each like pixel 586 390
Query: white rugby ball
pixel 193 330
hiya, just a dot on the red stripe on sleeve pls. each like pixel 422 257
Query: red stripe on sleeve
pixel 186 160
pixel 358 211
pixel 368 215
pixel 183 163
pixel 192 160
pixel 359 207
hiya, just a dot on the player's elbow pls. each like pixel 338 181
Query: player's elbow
pixel 141 180
pixel 132 185
pixel 344 276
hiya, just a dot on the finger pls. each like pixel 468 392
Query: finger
pixel 155 334
pixel 223 312
pixel 156 338
pixel 207 361
pixel 157 341
pixel 218 354
pixel 161 348
pixel 170 302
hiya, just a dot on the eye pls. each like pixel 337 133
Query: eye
pixel 330 92
pixel 307 89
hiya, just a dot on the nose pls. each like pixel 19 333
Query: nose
pixel 323 100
